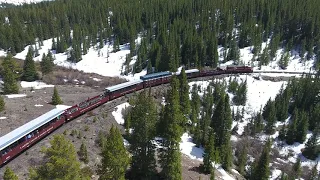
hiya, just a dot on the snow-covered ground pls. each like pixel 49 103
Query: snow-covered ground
pixel 294 65
pixel 117 112
pixel 102 61
pixel 258 93
pixel 16 95
pixel 107 63
pixel 35 84
pixel 20 2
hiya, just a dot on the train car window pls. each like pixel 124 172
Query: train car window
pixel 73 110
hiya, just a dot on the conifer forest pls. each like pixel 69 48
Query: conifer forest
pixel 175 34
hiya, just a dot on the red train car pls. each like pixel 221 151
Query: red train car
pixel 25 136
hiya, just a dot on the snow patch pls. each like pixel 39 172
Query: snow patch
pixel 21 2
pixel 16 95
pixel 225 175
pixel 38 105
pixel 35 84
pixel 188 148
pixel 275 174
pixel 3 118
pixel 117 112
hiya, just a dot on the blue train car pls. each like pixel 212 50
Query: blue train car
pixel 155 75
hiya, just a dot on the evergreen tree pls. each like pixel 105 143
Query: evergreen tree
pixel 296 169
pixel 209 155
pixel 184 93
pixel 116 45
pixel 115 158
pixel 212 175
pixel 2 104
pixel 283 176
pixel 261 171
pixel 47 63
pixel 9 74
pixel 170 156
pixel 83 153
pixel 312 148
pixel 242 160
pixel 55 100
pixel 9 175
pixel 271 119
pixel 282 133
pixel 29 68
pixel 292 131
pixel 302 127
pixel 143 122
pixel 217 122
pixel 60 162
pixel 314 173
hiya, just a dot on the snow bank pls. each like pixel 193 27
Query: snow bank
pixel 275 174
pixel 20 2
pixel 117 112
pixel 225 175
pixel 16 95
pixel 35 84
pixel 188 148
pixel 104 62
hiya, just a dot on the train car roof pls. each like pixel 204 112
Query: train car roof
pixel 123 85
pixel 154 75
pixel 27 128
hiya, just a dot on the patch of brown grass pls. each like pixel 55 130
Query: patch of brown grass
pixel 62 75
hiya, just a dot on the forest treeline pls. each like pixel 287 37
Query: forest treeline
pixel 175 32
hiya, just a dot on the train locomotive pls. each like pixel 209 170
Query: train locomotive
pixel 20 139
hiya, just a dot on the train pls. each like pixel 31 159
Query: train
pixel 20 139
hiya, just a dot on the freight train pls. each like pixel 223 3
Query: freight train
pixel 20 139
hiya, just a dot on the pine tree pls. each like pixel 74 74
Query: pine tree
pixel 9 74
pixel 283 176
pixel 312 148
pixel 116 45
pixel 144 120
pixel 173 124
pixel 282 133
pixel 2 104
pixel 83 153
pixel 212 175
pixel 296 169
pixel 9 175
pixel 60 162
pixel 226 154
pixel 292 131
pixel 271 119
pixel 261 170
pixel 29 68
pixel 209 155
pixel 217 122
pixel 115 158
pixel 55 100
pixel 302 127
pixel 314 173
pixel 184 93
pixel 242 160
pixel 47 63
